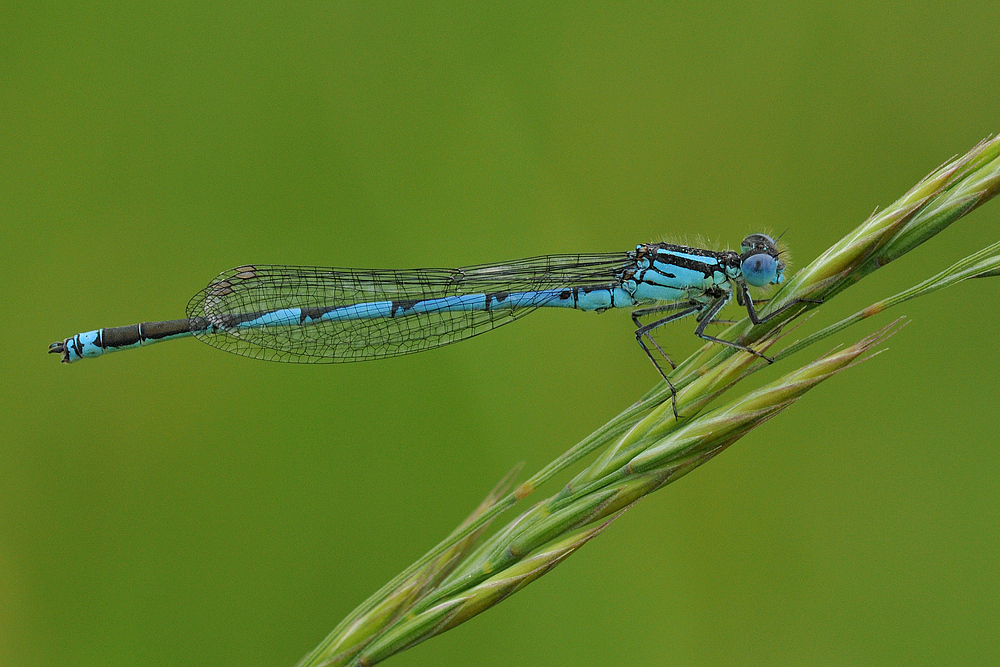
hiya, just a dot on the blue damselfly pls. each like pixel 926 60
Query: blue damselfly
pixel 324 315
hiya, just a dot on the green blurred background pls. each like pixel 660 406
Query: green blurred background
pixel 180 506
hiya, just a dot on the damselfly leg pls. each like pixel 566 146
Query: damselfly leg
pixel 706 316
pixel 748 301
pixel 711 312
pixel 683 309
pixel 685 306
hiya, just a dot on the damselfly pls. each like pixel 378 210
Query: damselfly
pixel 324 315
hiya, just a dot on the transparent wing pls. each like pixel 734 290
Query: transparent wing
pixel 246 293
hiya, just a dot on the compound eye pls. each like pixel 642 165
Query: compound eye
pixel 760 269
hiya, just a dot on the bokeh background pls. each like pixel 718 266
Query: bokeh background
pixel 178 505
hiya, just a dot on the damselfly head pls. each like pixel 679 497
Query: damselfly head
pixel 759 261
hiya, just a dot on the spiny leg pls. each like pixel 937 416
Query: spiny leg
pixel 673 389
pixel 712 311
pixel 752 312
pixel 642 312
pixel 644 330
pixel 663 308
